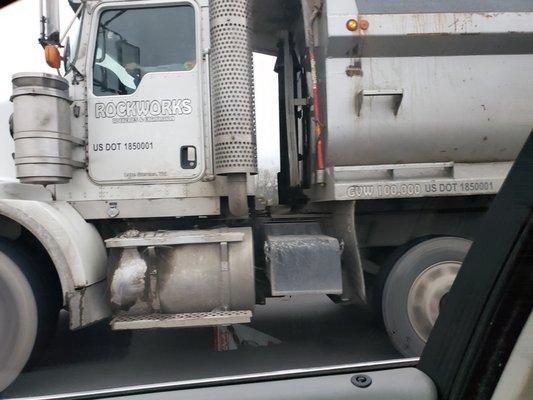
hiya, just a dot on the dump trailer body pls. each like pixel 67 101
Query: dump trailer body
pixel 428 88
pixel 422 102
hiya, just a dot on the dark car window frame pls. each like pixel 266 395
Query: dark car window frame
pixel 490 301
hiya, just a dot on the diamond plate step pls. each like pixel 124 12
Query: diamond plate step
pixel 153 321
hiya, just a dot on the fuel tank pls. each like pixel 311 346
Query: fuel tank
pixel 426 85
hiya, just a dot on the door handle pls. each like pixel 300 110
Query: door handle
pixel 189 159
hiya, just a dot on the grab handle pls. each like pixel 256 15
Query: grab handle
pixel 396 94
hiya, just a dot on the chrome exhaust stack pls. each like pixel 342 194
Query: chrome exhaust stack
pixel 233 104
pixel 49 18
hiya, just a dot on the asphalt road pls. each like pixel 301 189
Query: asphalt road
pixel 313 332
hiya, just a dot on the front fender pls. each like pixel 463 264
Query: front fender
pixel 75 246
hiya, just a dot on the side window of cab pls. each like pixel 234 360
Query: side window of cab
pixel 134 42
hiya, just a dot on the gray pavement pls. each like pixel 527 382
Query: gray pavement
pixel 313 332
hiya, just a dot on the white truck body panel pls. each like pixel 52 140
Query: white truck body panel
pixel 75 246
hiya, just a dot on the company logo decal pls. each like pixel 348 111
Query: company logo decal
pixel 143 110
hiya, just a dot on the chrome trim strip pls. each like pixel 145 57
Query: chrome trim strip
pixel 232 380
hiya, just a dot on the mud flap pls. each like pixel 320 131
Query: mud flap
pixel 342 226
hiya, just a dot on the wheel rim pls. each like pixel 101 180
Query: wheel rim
pixel 426 293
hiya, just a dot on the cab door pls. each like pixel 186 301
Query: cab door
pixel 144 94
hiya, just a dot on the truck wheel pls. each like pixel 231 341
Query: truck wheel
pixel 25 315
pixel 415 287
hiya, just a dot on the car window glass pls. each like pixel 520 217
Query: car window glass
pixel 124 53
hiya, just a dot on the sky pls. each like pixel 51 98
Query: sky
pixel 21 21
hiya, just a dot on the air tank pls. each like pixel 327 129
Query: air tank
pixel 41 127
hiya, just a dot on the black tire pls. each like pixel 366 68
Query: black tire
pixel 28 313
pixel 439 257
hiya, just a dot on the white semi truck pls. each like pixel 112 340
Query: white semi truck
pixel 137 169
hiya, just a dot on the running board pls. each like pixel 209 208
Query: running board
pixel 189 320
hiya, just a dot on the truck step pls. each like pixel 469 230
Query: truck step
pixel 188 320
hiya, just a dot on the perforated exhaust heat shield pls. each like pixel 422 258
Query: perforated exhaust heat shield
pixel 232 87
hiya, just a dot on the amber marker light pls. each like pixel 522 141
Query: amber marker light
pixel 352 25
pixel 52 56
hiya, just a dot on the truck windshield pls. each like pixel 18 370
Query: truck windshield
pixel 133 42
